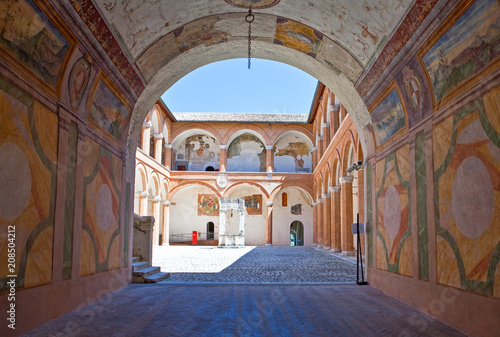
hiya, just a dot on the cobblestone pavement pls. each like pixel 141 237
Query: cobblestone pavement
pixel 261 264
pixel 193 310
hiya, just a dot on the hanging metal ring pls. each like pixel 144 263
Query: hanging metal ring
pixel 250 17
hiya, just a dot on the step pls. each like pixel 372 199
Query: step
pixel 156 277
pixel 146 271
pixel 135 259
pixel 139 265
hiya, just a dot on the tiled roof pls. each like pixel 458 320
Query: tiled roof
pixel 239 117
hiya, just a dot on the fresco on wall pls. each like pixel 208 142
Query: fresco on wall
pixel 31 39
pixel 296 209
pixel 415 93
pixel 388 118
pixel 292 155
pixel 28 169
pixel 201 151
pixel 246 153
pixel 466 150
pixel 108 111
pixel 253 204
pixel 295 35
pixel 468 47
pixel 208 204
pixel 394 236
pixel 78 81
pixel 100 247
pixel 422 193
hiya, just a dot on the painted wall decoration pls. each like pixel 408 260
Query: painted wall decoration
pixel 246 153
pixel 253 204
pixel 466 150
pixel 297 36
pixel 394 236
pixel 78 81
pixel 28 148
pixel 107 110
pixel 255 4
pixel 339 60
pixel 208 204
pixel 201 151
pixel 296 209
pixel 33 41
pixel 388 117
pixel 100 247
pixel 292 154
pixel 422 193
pixel 465 49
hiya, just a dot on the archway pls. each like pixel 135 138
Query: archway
pixel 296 234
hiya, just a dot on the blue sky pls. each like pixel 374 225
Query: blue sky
pixel 228 86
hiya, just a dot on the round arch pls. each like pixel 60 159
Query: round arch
pixel 298 130
pixel 193 129
pixel 192 184
pixel 234 187
pixel 247 129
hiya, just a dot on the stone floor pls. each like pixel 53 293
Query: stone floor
pixel 257 306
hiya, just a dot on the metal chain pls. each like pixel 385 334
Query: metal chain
pixel 249 18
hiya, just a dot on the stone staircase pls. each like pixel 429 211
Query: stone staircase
pixel 142 272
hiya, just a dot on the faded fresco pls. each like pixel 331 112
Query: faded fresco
pixel 201 151
pixel 468 47
pixel 393 234
pixel 466 150
pixel 292 154
pixel 253 204
pixel 296 209
pixel 297 36
pixel 28 169
pixel 78 81
pixel 246 153
pixel 100 247
pixel 108 111
pixel 339 60
pixel 388 118
pixel 208 204
pixel 32 40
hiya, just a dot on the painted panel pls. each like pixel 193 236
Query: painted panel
pixel 208 204
pixel 369 213
pixel 423 237
pixel 388 117
pixel 78 81
pixel 200 151
pixel 394 236
pixel 107 110
pixel 253 204
pixel 30 39
pixel 465 49
pixel 295 35
pixel 246 153
pixel 291 154
pixel 101 216
pixel 466 155
pixel 28 148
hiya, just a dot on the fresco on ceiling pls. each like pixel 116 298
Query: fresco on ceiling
pixel 200 32
pixel 78 81
pixel 108 111
pixel 296 209
pixel 253 204
pixel 208 204
pixel 255 4
pixel 291 154
pixel 157 56
pixel 394 236
pixel 466 159
pixel 201 151
pixel 295 35
pixel 100 245
pixel 32 40
pixel 467 48
pixel 388 118
pixel 28 148
pixel 246 153
pixel 339 60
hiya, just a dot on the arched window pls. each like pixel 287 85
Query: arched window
pixel 284 199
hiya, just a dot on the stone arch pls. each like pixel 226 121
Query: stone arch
pixel 240 129
pixel 196 127
pixel 292 152
pixel 234 187
pixel 202 151
pixel 294 128
pixel 179 187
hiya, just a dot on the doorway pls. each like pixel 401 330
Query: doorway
pixel 296 234
pixel 210 230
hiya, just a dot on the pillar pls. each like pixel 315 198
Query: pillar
pixel 314 157
pixel 269 224
pixel 336 117
pixel 315 224
pixel 326 135
pixel 146 134
pixel 222 227
pixel 156 215
pixel 168 157
pixel 269 158
pixel 320 222
pixel 335 238
pixel 320 147
pixel 223 158
pixel 327 216
pixel 346 216
pixel 343 113
pixel 157 150
pixel 143 203
pixel 166 224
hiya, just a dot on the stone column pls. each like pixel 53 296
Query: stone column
pixel 269 158
pixel 326 135
pixel 157 150
pixel 269 224
pixel 320 222
pixel 335 226
pixel 327 216
pixel 146 134
pixel 156 215
pixel 346 220
pixel 222 227
pixel 315 224
pixel 166 224
pixel 168 157
pixel 143 203
pixel 223 158
pixel 336 117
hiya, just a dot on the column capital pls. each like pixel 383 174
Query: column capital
pixel 168 146
pixel 334 189
pixel 314 148
pixel 222 147
pixel 269 147
pixel 335 107
pixel 147 124
pixel 156 199
pixel 166 203
pixel 319 200
pixel 143 194
pixel 326 195
pixel 314 204
pixel 346 179
pixel 325 125
pixel 269 204
pixel 158 135
pixel 319 137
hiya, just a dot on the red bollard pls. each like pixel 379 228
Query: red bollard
pixel 195 238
